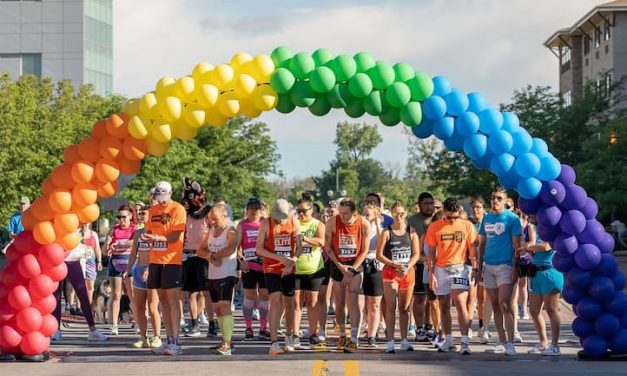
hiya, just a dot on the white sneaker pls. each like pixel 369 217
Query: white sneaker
pixel 498 349
pixel 447 346
pixel 136 329
pixel 471 334
pixel 203 319
pixel 114 330
pixel 437 341
pixel 389 348
pixel 296 342
pixel 322 336
pixel 182 322
pixel 289 343
pixel 525 317
pixel 537 349
pixel 517 337
pixel 406 346
pixel 465 349
pixel 552 350
pixel 484 336
pixel 96 335
pixel 510 349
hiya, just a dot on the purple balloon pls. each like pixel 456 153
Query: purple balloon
pixel 575 198
pixel 553 192
pixel 595 346
pixel 548 215
pixel 567 175
pixel 607 325
pixel 572 295
pixel 617 305
pixel 565 243
pixel 588 256
pixel 548 233
pixel 601 289
pixel 563 263
pixel 606 245
pixel 593 233
pixel 529 207
pixel 607 267
pixel 578 277
pixel 590 209
pixel 573 222
pixel 618 343
pixel 619 280
pixel 582 328
pixel 589 309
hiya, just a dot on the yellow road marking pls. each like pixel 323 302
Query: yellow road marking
pixel 319 368
pixel 351 368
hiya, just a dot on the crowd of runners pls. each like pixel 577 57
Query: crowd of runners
pixel 356 267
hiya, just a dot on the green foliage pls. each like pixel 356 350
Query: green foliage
pixel 355 141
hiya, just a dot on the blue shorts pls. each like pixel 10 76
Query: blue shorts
pixel 138 273
pixel 118 265
pixel 547 281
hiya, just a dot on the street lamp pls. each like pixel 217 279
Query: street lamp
pixel 613 138
pixel 330 193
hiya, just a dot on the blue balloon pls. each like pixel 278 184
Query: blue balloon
pixel 511 123
pixel 590 209
pixel 573 222
pixel 606 245
pixel 549 215
pixel 490 120
pixel 587 256
pixel 548 233
pixel 593 233
pixel 618 343
pixel 572 295
pixel 619 280
pixel 565 243
pixel 527 165
pixel 606 325
pixel 455 143
pixel 595 346
pixel 582 328
pixel 529 187
pixel 553 192
pixel 567 175
pixel 623 321
pixel 618 305
pixel 589 309
pixel 443 128
pixel 550 168
pixel 607 267
pixel 476 103
pixel 441 86
pixel 500 142
pixel 501 164
pixel 424 129
pixel 578 277
pixel 564 263
pixel 539 147
pixel 601 289
pixel 576 197
pixel 522 142
pixel 529 207
pixel 434 107
pixel 483 163
pixel 509 180
pixel 475 146
pixel 456 102
pixel 467 123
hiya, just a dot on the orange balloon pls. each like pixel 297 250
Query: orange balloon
pixel 82 172
pixel 89 213
pixel 43 232
pixel 41 210
pixel 84 194
pixel 70 155
pixel 65 223
pixel 89 149
pixel 99 129
pixel 60 201
pixel 107 170
pixel 69 240
pixel 110 147
pixel 47 187
pixel 134 149
pixel 62 176
pixel 107 189
pixel 128 166
pixel 117 125
pixel 28 219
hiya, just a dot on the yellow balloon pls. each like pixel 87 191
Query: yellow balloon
pixel 208 95
pixel 244 86
pixel 215 118
pixel 165 87
pixel 170 108
pixel 261 68
pixel 228 105
pixel 200 70
pixel 240 58
pixel 194 115
pixel 264 98
pixel 183 132
pixel 131 107
pixel 248 108
pixel 156 148
pixel 148 105
pixel 222 76
pixel 184 89
pixel 160 131
pixel 137 127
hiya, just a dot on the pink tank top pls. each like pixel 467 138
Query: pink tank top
pixel 250 231
pixel 120 233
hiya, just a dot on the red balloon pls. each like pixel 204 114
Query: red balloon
pixel 9 338
pixel 51 255
pixel 6 312
pixel 19 298
pixel 28 320
pixel 46 305
pixel 11 277
pixel 4 291
pixel 57 273
pixel 49 325
pixel 12 254
pixel 42 286
pixel 28 266
pixel 25 243
pixel 34 343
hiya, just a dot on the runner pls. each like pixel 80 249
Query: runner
pixel 165 231
pixel 373 280
pixel 218 247
pixel 398 249
pixel 309 270
pixel 377 199
pixel 449 239
pixel 347 246
pixel 93 260
pixel 253 280
pixel 138 268
pixel 279 243
pixel 471 302
pixel 118 247
pixel 499 236
pixel 484 307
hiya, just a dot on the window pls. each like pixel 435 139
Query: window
pixel 606 31
pixel 597 37
pixel 565 59
pixel 587 62
pixel 608 84
pixel 19 64
pixel 566 97
pixel 586 45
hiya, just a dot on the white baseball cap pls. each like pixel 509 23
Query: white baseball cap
pixel 162 191
pixel 281 209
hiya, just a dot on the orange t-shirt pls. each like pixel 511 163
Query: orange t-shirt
pixel 164 220
pixel 451 240
pixel 282 241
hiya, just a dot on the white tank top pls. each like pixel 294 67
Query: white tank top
pixel 228 266
pixel 374 238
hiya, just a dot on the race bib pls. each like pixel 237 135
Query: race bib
pixel 348 246
pixel 401 255
pixel 283 251
pixel 306 249
pixel 143 246
pixel 160 246
pixel 460 281
pixel 283 245
pixel 250 254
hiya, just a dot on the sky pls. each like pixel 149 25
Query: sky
pixel 489 46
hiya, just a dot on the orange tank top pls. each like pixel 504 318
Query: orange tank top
pixel 282 241
pixel 347 239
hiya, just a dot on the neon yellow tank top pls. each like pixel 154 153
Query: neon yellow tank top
pixel 310 260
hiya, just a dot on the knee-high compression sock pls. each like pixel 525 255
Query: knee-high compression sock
pixel 263 313
pixel 247 309
pixel 227 328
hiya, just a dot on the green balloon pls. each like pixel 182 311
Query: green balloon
pixel 322 56
pixel 411 114
pixel 398 94
pixel 302 95
pixel 403 72
pixel 340 96
pixel 344 67
pixel 355 109
pixel 282 81
pixel 421 86
pixel 360 85
pixel 280 55
pixel 390 117
pixel 301 65
pixel 375 103
pixel 320 107
pixel 322 80
pixel 364 62
pixel 285 105
pixel 382 75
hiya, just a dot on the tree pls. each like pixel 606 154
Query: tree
pixel 355 141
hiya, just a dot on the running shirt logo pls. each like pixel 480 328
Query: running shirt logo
pixel 348 245
pixel 496 228
pixel 283 245
pixel 163 218
pixel 250 253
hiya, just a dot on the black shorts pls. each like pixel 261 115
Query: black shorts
pixel 253 279
pixel 337 275
pixel 310 282
pixel 327 273
pixel 286 285
pixel 164 276
pixel 373 279
pixel 195 271
pixel 221 290
pixel 419 286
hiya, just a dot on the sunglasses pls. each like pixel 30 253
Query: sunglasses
pixel 477 207
pixel 437 207
pixel 121 216
pixel 302 211
pixel 498 198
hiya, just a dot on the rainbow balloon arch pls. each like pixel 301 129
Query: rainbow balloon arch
pixel 320 81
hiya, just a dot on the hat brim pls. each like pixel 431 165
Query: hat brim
pixel 161 197
pixel 279 216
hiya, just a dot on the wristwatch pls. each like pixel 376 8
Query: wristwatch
pixel 353 270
